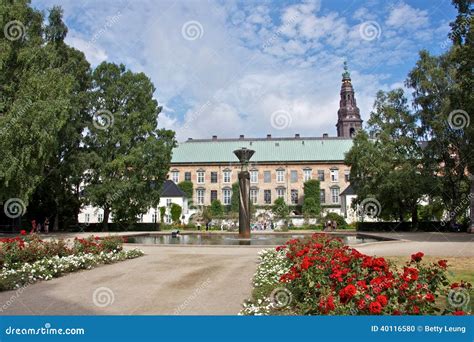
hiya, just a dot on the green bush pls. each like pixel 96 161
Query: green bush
pixel 341 222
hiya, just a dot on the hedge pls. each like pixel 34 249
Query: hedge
pixel 404 226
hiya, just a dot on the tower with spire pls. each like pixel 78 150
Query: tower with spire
pixel 348 115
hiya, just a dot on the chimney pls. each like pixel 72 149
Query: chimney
pixel 241 136
pixel 189 139
pixel 297 136
pixel 325 135
pixel 214 137
pixel 269 136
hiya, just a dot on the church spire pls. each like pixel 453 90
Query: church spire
pixel 349 120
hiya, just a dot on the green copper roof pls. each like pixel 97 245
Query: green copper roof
pixel 266 150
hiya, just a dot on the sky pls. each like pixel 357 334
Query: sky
pixel 227 68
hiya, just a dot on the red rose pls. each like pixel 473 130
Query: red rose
pixel 410 274
pixel 443 263
pixel 429 297
pixel 416 309
pixel 458 313
pixel 361 304
pixel 375 307
pixel 382 300
pixel 22 232
pixel 417 256
pixel 306 263
pixel 347 293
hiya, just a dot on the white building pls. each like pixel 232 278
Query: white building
pixel 170 194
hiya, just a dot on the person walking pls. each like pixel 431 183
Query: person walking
pixel 33 226
pixel 46 225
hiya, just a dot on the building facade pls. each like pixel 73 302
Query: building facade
pixel 279 167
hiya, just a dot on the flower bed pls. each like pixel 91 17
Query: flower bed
pixel 26 259
pixel 319 275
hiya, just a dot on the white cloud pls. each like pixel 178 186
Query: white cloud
pixel 406 17
pixel 248 62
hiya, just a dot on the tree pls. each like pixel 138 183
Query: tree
pixel 58 194
pixel 387 170
pixel 187 187
pixel 280 209
pixel 130 154
pixel 216 209
pixel 176 211
pixel 36 98
pixel 162 214
pixel 235 199
pixel 312 198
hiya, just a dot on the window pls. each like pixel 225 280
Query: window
pixel 227 176
pixel 168 202
pixel 87 217
pixel 294 176
pixel 153 218
pixel 281 193
pixel 213 177
pixel 226 195
pixel 335 195
pixel 322 195
pixel 294 196
pixel 321 175
pixel 213 195
pixel 168 219
pixel 254 176
pixel 347 175
pixel 187 176
pixel 334 175
pixel 175 177
pixel 100 217
pixel 253 196
pixel 200 196
pixel 267 196
pixel 280 176
pixel 307 174
pixel 267 176
pixel 200 177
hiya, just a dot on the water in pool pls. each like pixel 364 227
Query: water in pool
pixel 230 239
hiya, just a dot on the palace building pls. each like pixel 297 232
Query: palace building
pixel 279 167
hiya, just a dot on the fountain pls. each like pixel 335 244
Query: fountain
pixel 244 155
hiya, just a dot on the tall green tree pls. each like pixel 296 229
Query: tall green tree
pixel 187 187
pixel 35 98
pixel 58 195
pixel 129 152
pixel 442 95
pixel 387 169
pixel 216 209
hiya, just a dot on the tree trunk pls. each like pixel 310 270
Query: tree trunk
pixel 414 218
pixel 471 205
pixel 105 222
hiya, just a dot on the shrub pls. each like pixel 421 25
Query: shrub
pixel 176 211
pixel 312 198
pixel 341 222
pixel 319 275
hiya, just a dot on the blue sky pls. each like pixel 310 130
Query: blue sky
pixel 258 67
